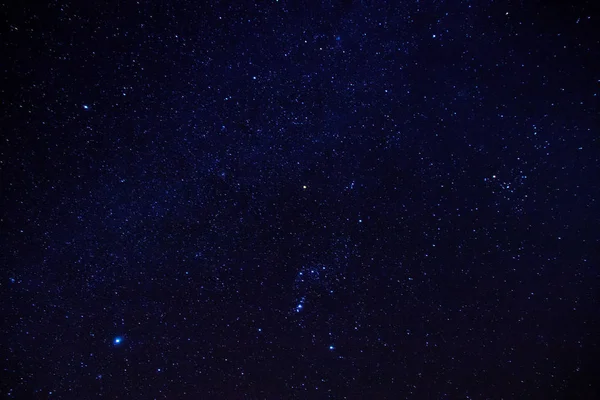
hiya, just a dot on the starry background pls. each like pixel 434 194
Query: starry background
pixel 343 199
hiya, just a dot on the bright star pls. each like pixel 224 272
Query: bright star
pixel 118 340
pixel 331 347
pixel 86 107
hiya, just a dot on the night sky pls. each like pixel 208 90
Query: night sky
pixel 287 200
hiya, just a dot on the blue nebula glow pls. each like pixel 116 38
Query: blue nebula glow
pixel 117 340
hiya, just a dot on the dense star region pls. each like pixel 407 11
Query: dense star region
pixel 300 200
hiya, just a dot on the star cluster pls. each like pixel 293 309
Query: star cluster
pixel 342 199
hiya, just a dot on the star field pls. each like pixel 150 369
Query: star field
pixel 291 200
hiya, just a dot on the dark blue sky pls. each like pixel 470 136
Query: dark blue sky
pixel 337 200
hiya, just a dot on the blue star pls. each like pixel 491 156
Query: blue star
pixel 331 347
pixel 117 341
pixel 86 107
